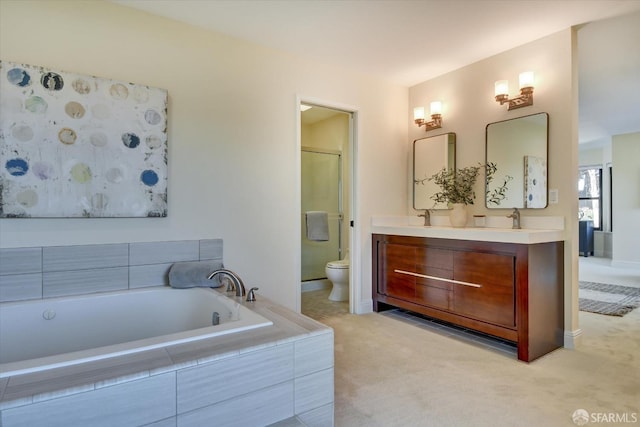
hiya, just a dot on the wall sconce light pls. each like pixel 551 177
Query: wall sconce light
pixel 526 91
pixel 436 116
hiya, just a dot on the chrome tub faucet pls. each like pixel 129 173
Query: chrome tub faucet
pixel 238 284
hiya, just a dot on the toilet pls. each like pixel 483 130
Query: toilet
pixel 338 273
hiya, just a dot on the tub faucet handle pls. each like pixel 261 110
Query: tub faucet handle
pixel 251 295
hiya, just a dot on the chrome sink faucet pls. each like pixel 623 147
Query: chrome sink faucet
pixel 237 281
pixel 427 217
pixel 516 218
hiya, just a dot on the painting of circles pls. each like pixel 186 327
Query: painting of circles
pixel 77 146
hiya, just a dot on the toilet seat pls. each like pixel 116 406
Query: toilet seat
pixel 338 264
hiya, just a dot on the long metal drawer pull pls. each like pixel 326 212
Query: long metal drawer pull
pixel 457 282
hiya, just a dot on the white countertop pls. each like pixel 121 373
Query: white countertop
pixel 531 232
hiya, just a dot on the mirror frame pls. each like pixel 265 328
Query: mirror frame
pixel 451 160
pixel 522 204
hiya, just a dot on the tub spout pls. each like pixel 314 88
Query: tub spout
pixel 237 281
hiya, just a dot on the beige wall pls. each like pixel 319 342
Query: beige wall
pixel 331 133
pixel 233 135
pixel 626 199
pixel 591 157
pixel 233 144
pixel 468 101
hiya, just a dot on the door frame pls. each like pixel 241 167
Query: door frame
pixel 355 277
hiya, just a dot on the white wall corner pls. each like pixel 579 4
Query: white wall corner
pixel 573 339
pixel 365 307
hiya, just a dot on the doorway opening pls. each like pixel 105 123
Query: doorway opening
pixel 326 149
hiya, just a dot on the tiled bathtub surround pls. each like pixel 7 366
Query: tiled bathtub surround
pixel 42 272
pixel 255 377
pixel 252 378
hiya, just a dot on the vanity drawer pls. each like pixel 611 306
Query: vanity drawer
pixel 487 289
pixel 398 258
pixel 433 294
pixel 433 259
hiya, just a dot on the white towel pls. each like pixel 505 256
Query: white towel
pixel 317 226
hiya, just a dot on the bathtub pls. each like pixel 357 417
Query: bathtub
pixel 43 334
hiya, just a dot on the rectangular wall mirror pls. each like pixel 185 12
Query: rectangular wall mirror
pixel 431 154
pixel 519 149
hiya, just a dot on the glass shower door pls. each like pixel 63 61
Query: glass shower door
pixel 321 191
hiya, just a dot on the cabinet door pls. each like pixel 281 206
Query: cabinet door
pixel 399 285
pixel 436 264
pixel 493 298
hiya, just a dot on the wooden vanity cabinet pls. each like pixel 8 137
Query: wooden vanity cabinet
pixel 512 291
pixel 494 300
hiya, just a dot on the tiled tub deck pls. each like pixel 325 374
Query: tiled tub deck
pixel 255 377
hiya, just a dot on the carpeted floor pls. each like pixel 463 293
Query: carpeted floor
pixel 391 371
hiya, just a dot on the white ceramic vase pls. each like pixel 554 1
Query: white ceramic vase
pixel 458 215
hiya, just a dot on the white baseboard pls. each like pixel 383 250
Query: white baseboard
pixel 365 307
pixel 315 285
pixel 572 339
pixel 625 264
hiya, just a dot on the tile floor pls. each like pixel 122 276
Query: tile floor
pixel 317 305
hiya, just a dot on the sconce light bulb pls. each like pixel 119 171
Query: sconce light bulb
pixel 526 79
pixel 418 113
pixel 436 107
pixel 502 87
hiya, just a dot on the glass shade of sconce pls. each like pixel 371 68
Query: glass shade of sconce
pixel 436 107
pixel 436 116
pixel 502 90
pixel 526 79
pixel 526 91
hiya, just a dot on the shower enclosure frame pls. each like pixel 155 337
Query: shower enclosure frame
pixel 340 196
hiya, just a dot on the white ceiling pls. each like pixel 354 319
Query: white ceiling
pixel 409 41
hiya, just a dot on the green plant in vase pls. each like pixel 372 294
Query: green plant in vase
pixel 456 189
pixel 456 185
